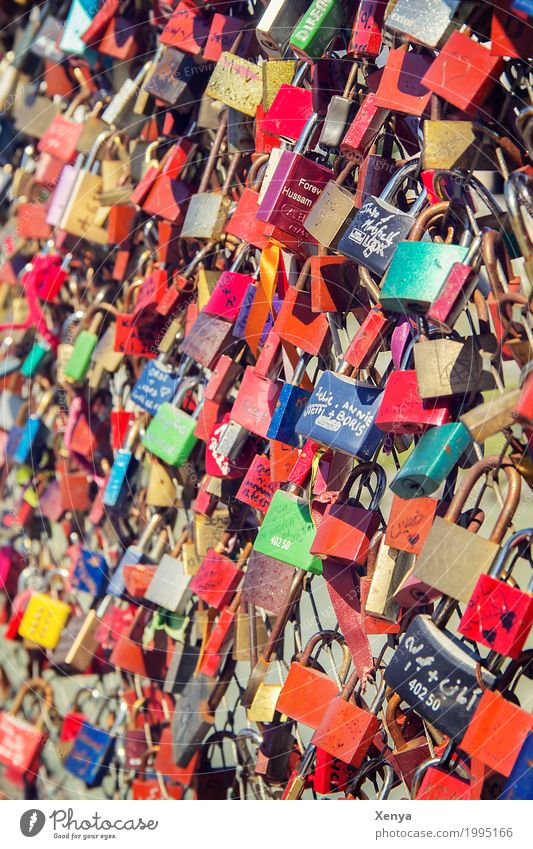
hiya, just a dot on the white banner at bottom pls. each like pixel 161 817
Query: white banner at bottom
pixel 251 826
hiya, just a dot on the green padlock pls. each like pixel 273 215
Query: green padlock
pixel 416 275
pixel 37 356
pixel 170 434
pixel 432 460
pixel 317 28
pixel 287 532
pixel 79 362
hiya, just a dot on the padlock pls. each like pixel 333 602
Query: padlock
pixel 170 434
pixel 452 558
pixel 317 27
pixel 464 72
pixel 92 750
pixel 402 410
pixel 217 578
pixel 397 292
pixel 135 553
pixel 428 25
pixel 158 383
pixel 345 730
pixel 237 83
pixel 434 780
pixel 496 732
pixel 255 403
pixel 44 619
pixel 374 233
pixel 346 528
pixel 79 362
pixel 407 754
pixel 518 785
pixel 432 460
pixel 90 572
pixel 32 438
pixel 456 290
pixel 22 742
pixel 364 128
pixel 366 35
pixel 499 615
pixel 287 532
pixel 341 414
pixel 290 404
pixel 409 523
pixel 295 185
pixel 390 568
pixel 124 470
pixel 307 690
pixel 439 680
pixel 276 24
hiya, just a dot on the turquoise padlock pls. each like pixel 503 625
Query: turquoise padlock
pixel 416 275
pixel 35 358
pixel 432 460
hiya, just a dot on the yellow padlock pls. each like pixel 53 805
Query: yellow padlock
pixel 44 620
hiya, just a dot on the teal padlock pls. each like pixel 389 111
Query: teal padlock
pixel 36 357
pixel 170 434
pixel 288 532
pixel 416 275
pixel 432 460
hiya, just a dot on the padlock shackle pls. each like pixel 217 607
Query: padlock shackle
pixel 306 133
pixel 366 470
pixel 512 498
pixel 426 218
pixel 395 182
pixel 34 686
pixel 503 555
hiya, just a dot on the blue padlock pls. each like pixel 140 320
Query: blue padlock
pixel 290 406
pixel 157 383
pixel 90 754
pixel 135 553
pixel 523 6
pixel 34 434
pixel 90 572
pixel 125 465
pixel 519 785
pixel 341 413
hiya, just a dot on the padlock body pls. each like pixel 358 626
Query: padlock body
pixel 317 27
pixel 80 358
pixel 34 359
pixel 90 572
pixel 498 616
pixel 90 754
pixel 291 403
pixel 345 532
pixel 497 732
pixel 294 187
pixel 156 384
pixel 416 274
pixel 287 533
pixel 31 442
pixel 519 785
pixel 432 460
pixel 433 673
pixel 373 235
pixel 341 413
pixel 44 620
pixel 170 435
pixel 306 694
pixel 346 731
pixel 402 410
pixel 118 486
